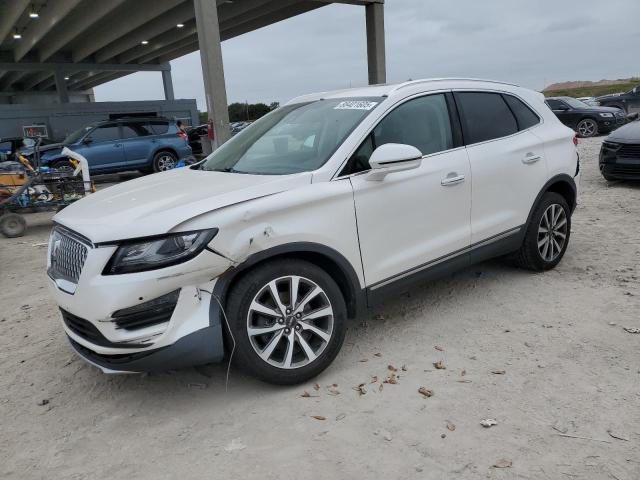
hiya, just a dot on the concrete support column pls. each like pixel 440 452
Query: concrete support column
pixel 375 43
pixel 215 91
pixel 167 84
pixel 61 87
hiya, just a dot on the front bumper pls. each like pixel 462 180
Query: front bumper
pixel 620 161
pixel 191 335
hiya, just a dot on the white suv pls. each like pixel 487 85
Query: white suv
pixel 321 208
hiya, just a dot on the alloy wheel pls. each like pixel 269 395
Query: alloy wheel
pixel 290 322
pixel 166 162
pixel 587 128
pixel 552 232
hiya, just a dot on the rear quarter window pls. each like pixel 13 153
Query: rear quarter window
pixel 485 116
pixel 526 117
pixel 159 128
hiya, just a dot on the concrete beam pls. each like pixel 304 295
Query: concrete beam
pixel 215 90
pixel 167 85
pixel 376 61
pixel 52 14
pixel 8 80
pixel 78 67
pixel 169 49
pixel 83 17
pixel 164 23
pixel 35 79
pixel 11 12
pixel 105 33
pixel 158 43
pixel 61 87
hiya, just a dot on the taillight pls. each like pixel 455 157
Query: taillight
pixel 575 140
pixel 183 135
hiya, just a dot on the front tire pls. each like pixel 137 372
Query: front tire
pixel 547 235
pixel 587 127
pixel 63 166
pixel 288 320
pixel 163 161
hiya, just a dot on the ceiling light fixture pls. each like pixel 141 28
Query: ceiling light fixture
pixel 17 35
pixel 33 13
pixel 66 78
pixel 180 25
pixel 144 42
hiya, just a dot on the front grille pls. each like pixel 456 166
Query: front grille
pixel 67 256
pixel 629 151
pixel 87 330
pixel 618 169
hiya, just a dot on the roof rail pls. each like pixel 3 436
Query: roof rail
pixel 427 80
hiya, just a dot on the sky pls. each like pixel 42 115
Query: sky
pixel 529 42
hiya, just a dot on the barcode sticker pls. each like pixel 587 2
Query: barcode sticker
pixel 355 105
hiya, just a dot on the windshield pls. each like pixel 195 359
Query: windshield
pixel 77 135
pixel 575 103
pixel 292 139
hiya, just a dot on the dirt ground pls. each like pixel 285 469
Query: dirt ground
pixel 545 355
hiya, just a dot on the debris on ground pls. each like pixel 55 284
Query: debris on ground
pixel 306 394
pixel 318 417
pixel 316 386
pixel 362 360
pixel 425 392
pixel 617 437
pixel 333 389
pixel 488 422
pixel 503 464
pixel 392 368
pixel 391 378
pixel 44 401
pixel 374 379
pixel 439 365
pixel 498 372
pixel 450 426
pixel 235 445
pixel 631 329
pixel 384 434
pixel 361 389
pixel 377 354
pixel 341 416
pixel 439 348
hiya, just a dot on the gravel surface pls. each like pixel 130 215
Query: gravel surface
pixel 545 355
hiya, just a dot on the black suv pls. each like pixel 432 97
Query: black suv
pixel 629 102
pixel 585 119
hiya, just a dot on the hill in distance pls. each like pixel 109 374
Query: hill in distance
pixel 584 88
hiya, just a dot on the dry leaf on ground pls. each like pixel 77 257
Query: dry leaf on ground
pixel 377 354
pixel 318 417
pixel 503 464
pixel 488 422
pixel 450 426
pixel 316 386
pixel 391 378
pixel 439 348
pixel 498 372
pixel 306 394
pixel 361 389
pixel 439 365
pixel 374 379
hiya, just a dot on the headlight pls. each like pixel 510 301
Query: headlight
pixel 158 252
pixel 606 115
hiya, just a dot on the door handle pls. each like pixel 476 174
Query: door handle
pixel 452 179
pixel 530 158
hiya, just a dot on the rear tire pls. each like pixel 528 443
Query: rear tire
pixel 12 225
pixel 307 326
pixel 163 161
pixel 547 235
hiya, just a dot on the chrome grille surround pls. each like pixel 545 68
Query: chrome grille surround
pixel 67 254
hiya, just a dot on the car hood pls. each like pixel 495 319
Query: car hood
pixel 608 96
pixel 601 110
pixel 157 203
pixel 630 133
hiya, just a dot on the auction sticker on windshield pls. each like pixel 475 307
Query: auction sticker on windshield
pixel 355 105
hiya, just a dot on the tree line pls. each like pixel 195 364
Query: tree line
pixel 243 112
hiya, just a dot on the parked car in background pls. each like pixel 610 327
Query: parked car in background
pixel 259 242
pixel 147 144
pixel 629 102
pixel 591 101
pixel 620 154
pixel 586 120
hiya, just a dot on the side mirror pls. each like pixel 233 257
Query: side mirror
pixel 87 140
pixel 562 108
pixel 393 157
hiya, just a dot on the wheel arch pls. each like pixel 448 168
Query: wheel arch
pixel 331 261
pixel 561 184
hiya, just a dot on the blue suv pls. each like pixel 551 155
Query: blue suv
pixel 147 144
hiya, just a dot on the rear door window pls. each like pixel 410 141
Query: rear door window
pixel 136 129
pixel 485 116
pixel 526 117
